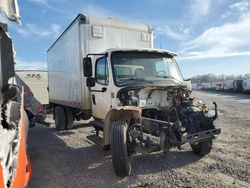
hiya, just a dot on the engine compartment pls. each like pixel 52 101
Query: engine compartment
pixel 169 113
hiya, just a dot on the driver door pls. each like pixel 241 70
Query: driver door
pixel 101 92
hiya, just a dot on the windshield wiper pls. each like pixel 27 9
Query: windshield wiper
pixel 169 77
pixel 141 80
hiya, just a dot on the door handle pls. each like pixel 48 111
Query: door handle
pixel 93 99
pixel 102 90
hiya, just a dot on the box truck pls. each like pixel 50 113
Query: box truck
pixel 238 86
pixel 228 85
pixel 246 85
pixel 107 69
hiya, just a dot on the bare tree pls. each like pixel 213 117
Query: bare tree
pixel 209 78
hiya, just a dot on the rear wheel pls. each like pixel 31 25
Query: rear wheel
pixel 120 158
pixel 202 148
pixel 60 120
pixel 69 118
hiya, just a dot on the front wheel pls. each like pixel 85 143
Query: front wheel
pixel 119 153
pixel 202 148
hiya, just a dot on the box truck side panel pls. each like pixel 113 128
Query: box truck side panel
pixel 65 69
pixel 112 33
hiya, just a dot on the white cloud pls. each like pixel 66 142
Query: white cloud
pixel 33 29
pixel 167 31
pixel 237 9
pixel 22 30
pixel 43 2
pixel 226 14
pixel 185 30
pixel 92 10
pixel 47 4
pixel 226 40
pixel 241 6
pixel 200 8
pixel 206 55
pixel 30 65
pixel 56 29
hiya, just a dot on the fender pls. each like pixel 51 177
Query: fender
pixel 124 113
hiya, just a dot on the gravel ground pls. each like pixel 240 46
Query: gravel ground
pixel 68 159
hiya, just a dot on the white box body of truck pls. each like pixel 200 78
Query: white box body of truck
pixel 86 35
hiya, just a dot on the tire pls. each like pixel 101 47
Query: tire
pixel 60 119
pixel 86 116
pixel 119 153
pixel 69 119
pixel 202 148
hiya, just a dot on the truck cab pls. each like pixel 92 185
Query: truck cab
pixel 141 91
pixel 119 69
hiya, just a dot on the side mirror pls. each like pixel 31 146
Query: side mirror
pixel 189 84
pixel 90 81
pixel 87 67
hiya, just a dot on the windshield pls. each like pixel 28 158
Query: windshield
pixel 144 67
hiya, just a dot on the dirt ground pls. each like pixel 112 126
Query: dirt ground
pixel 68 159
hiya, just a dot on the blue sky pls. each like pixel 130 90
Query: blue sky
pixel 210 36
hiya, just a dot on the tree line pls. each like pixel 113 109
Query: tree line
pixel 209 78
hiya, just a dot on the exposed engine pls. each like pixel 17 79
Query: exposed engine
pixel 169 114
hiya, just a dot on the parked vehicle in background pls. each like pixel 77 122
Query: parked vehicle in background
pixel 229 85
pixel 107 69
pixel 194 86
pixel 246 86
pixel 238 86
pixel 205 86
pixel 212 86
pixel 219 86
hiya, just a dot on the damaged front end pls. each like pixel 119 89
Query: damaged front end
pixel 169 118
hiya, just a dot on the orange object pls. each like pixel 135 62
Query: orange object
pixel 23 172
pixel 1 176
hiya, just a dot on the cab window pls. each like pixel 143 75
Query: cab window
pixel 101 73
